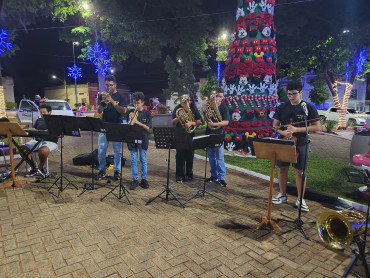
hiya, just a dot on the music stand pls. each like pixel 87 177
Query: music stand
pixel 273 149
pixel 204 142
pixel 91 124
pixel 164 138
pixel 10 130
pixel 131 134
pixel 59 126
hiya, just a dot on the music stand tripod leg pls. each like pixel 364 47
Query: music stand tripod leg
pixel 122 189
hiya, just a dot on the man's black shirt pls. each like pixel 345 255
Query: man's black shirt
pixel 145 117
pixel 40 124
pixel 224 112
pixel 110 114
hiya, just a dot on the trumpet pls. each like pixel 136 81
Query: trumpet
pixel 184 114
pixel 104 102
pixel 134 117
pixel 211 112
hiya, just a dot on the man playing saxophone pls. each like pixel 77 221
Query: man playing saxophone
pixel 216 155
pixel 184 158
pixel 113 105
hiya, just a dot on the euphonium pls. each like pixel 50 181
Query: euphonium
pixel 210 112
pixel 337 228
pixel 104 102
pixel 184 114
pixel 134 117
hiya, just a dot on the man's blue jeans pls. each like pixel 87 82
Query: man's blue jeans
pixel 216 160
pixel 102 151
pixel 143 163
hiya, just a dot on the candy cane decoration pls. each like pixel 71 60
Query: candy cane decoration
pixel 235 100
pixel 243 98
pixel 264 98
pixel 275 100
pixel 250 99
pixel 256 99
pixel 228 100
pixel 270 97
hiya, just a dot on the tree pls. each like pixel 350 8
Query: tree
pixel 209 86
pixel 320 92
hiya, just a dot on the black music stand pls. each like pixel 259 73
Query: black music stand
pixel 59 126
pixel 204 142
pixel 132 134
pixel 91 124
pixel 273 149
pixel 164 138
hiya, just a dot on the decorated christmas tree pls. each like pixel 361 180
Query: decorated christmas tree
pixel 249 80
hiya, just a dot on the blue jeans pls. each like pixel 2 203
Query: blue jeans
pixel 216 160
pixel 134 169
pixel 102 151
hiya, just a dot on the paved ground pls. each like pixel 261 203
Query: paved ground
pixel 70 236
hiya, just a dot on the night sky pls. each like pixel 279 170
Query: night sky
pixel 42 54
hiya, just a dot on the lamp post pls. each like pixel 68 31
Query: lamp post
pixel 64 82
pixel 221 38
pixel 74 63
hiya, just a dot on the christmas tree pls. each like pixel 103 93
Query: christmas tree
pixel 249 80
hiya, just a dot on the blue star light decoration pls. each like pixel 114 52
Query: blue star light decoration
pixel 74 71
pixel 360 61
pixel 100 58
pixel 4 45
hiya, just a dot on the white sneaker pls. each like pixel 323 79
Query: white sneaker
pixel 304 205
pixel 280 199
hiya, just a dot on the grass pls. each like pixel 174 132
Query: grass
pixel 323 174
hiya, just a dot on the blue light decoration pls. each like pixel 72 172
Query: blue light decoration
pixel 74 71
pixel 4 45
pixel 347 73
pixel 218 73
pixel 100 58
pixel 360 61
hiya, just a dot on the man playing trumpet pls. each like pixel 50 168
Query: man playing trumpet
pixel 113 105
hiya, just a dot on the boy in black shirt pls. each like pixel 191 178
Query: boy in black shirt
pixel 287 113
pixel 143 118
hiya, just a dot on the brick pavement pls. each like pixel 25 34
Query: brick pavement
pixel 70 236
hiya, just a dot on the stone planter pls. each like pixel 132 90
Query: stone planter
pixel 162 120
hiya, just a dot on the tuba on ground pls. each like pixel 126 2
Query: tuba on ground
pixel 184 114
pixel 338 228
pixel 211 112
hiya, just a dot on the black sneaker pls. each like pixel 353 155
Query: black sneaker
pixel 189 177
pixel 31 173
pixel 100 175
pixel 134 184
pixel 179 179
pixel 222 183
pixel 212 179
pixel 144 184
pixel 116 175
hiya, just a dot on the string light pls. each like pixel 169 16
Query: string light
pixel 4 45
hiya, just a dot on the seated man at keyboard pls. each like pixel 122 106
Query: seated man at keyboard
pixel 46 146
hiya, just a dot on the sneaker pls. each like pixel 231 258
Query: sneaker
pixel 280 199
pixel 212 179
pixel 222 183
pixel 304 205
pixel 189 177
pixel 31 173
pixel 44 172
pixel 116 175
pixel 179 179
pixel 100 175
pixel 134 184
pixel 144 184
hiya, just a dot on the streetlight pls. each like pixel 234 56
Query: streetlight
pixel 64 82
pixel 220 38
pixel 74 63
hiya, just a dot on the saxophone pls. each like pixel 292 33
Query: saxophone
pixel 184 114
pixel 134 117
pixel 211 112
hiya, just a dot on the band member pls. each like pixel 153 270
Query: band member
pixel 143 118
pixel 46 146
pixel 113 105
pixel 184 158
pixel 287 113
pixel 216 155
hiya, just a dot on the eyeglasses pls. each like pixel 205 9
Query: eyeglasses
pixel 109 85
pixel 292 94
